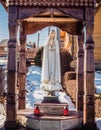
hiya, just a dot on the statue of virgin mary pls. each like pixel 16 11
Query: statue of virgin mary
pixel 51 73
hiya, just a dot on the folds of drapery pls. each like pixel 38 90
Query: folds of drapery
pixel 51 73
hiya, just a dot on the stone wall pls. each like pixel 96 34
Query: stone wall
pixel 98 106
pixel 69 83
pixel 31 53
pixel 97 35
pixel 65 60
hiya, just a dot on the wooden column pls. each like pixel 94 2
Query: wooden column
pixel 80 72
pixel 89 68
pixel 12 70
pixel 22 68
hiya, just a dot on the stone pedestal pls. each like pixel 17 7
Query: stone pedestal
pixel 50 99
pixel 51 108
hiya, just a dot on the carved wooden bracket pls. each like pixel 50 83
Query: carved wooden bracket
pixel 70 27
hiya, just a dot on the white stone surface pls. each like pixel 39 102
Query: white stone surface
pixel 49 125
pixel 34 124
pixel 53 123
pixel 69 124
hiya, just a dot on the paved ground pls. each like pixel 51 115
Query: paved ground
pixel 31 129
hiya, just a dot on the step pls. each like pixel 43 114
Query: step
pixel 46 122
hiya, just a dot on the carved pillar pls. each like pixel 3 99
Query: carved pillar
pixel 22 68
pixel 80 72
pixel 89 68
pixel 12 70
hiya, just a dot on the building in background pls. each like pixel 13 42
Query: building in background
pixel 4 48
pixel 97 35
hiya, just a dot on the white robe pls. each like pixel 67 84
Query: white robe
pixel 51 73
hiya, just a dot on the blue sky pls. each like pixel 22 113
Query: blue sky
pixel 30 38
pixel 3 24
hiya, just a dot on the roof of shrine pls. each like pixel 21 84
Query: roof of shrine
pixel 52 3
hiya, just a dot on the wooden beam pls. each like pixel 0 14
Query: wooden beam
pixel 70 27
pixel 49 19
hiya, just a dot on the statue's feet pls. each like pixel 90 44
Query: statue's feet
pixel 51 93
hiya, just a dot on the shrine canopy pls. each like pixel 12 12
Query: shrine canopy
pixel 37 14
pixel 53 3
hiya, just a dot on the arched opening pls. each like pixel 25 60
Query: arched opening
pixel 62 54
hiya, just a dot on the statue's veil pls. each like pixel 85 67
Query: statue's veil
pixel 55 38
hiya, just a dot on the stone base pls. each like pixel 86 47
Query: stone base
pixel 74 120
pixel 51 108
pixel 50 99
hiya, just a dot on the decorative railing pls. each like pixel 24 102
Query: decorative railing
pixel 53 3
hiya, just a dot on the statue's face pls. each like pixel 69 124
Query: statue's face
pixel 52 34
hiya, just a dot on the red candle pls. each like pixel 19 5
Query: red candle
pixel 36 111
pixel 66 111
